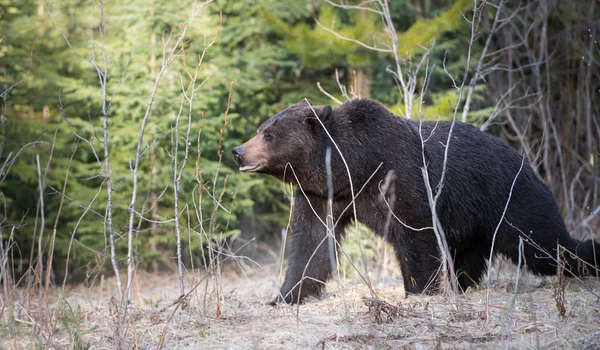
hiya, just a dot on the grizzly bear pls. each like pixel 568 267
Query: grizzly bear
pixel 369 145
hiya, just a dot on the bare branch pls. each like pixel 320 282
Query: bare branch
pixel 167 59
pixel 328 94
pixel 372 48
pixel 500 221
pixel 363 6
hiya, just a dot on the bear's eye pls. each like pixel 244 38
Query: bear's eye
pixel 268 137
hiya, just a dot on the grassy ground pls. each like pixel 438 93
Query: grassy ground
pixel 345 317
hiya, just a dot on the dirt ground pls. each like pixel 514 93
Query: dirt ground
pixel 346 317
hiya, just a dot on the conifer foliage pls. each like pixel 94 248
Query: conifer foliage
pixel 73 71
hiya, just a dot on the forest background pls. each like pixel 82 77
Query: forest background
pixel 74 72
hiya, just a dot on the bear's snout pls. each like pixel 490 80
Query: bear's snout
pixel 238 152
pixel 250 156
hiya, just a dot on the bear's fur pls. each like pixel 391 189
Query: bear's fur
pixel 480 172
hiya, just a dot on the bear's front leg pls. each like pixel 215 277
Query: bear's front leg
pixel 309 264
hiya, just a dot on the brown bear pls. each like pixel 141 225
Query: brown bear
pixel 377 145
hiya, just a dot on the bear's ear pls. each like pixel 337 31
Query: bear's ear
pixel 323 113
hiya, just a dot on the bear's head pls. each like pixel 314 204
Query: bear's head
pixel 287 140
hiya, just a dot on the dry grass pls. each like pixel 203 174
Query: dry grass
pixel 342 318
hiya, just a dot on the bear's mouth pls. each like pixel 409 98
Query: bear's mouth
pixel 251 168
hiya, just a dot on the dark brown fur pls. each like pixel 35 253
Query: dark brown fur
pixel 480 172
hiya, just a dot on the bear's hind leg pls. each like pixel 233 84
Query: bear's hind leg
pixel 420 279
pixel 420 263
pixel 470 266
